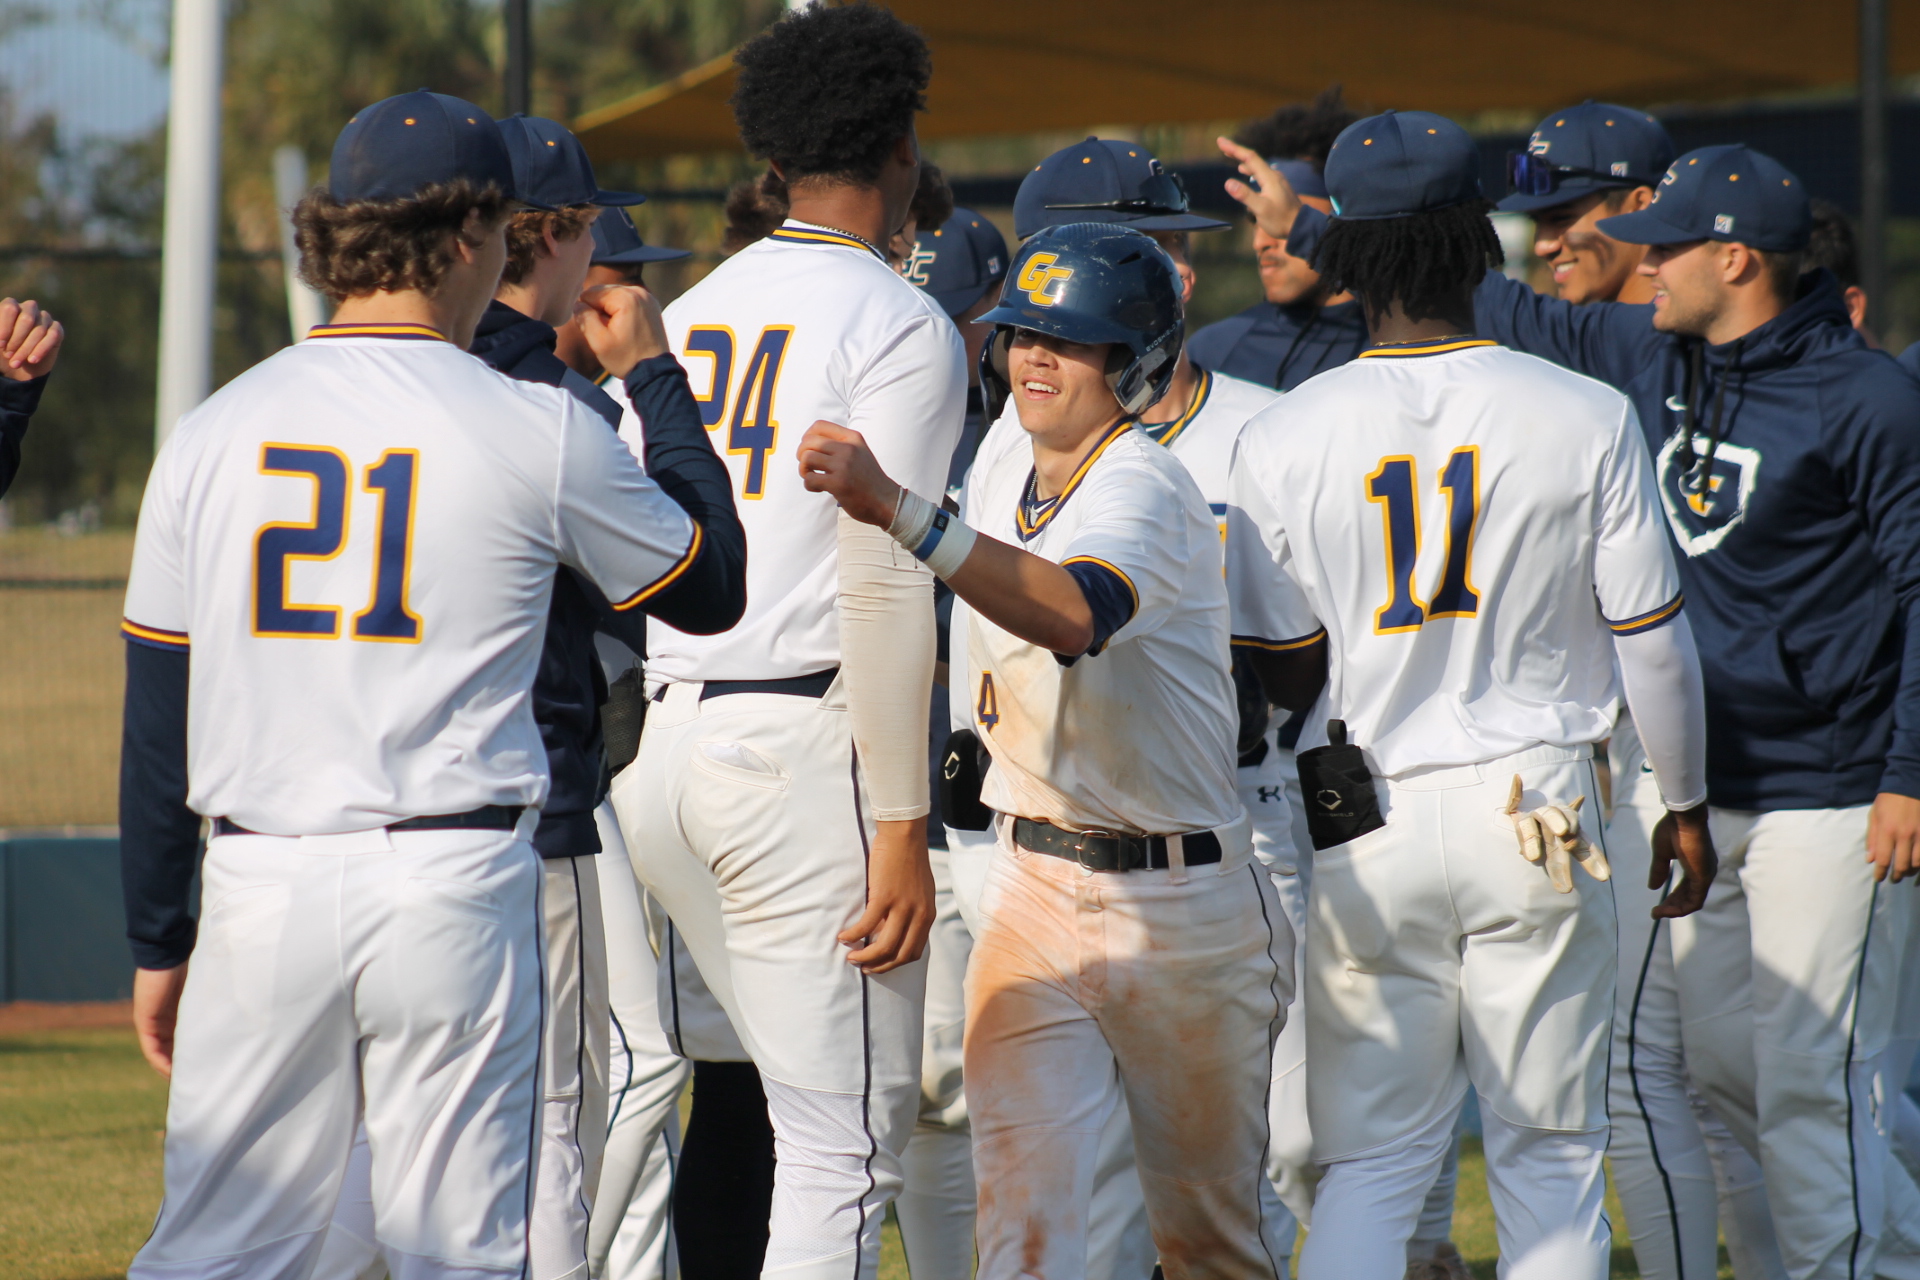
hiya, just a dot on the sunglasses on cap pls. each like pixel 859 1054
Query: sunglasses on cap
pixel 1160 193
pixel 1532 175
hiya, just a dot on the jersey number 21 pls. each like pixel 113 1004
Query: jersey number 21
pixel 1394 486
pixel 395 477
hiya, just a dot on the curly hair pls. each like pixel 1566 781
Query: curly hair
pixel 1300 130
pixel 932 199
pixel 349 249
pixel 1427 262
pixel 827 91
pixel 754 209
pixel 526 235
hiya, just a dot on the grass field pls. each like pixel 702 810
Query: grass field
pixel 80 1130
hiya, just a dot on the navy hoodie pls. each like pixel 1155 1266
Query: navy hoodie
pixel 1800 557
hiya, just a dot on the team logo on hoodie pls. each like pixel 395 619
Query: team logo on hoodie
pixel 1703 509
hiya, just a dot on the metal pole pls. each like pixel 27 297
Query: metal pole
pixel 1873 157
pixel 192 235
pixel 305 308
pixel 519 57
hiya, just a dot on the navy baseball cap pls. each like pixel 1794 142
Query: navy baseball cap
pixel 401 145
pixel 550 165
pixel 1596 146
pixel 1722 193
pixel 1397 164
pixel 617 243
pixel 1100 180
pixel 958 261
pixel 1303 177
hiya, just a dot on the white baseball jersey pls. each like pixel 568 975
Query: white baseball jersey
pixel 1138 737
pixel 1468 527
pixel 1203 435
pixel 357 539
pixel 806 324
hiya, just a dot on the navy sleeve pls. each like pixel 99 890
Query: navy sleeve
pixel 1878 443
pixel 18 400
pixel 1611 341
pixel 712 594
pixel 159 835
pixel 1110 599
pixel 1909 360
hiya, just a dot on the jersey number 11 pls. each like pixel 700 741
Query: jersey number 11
pixel 1394 487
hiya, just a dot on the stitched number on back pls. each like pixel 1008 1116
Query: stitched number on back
pixel 386 616
pixel 324 535
pixel 716 343
pixel 988 710
pixel 1394 487
pixel 752 430
pixel 320 538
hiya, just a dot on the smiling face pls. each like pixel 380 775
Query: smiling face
pixel 1284 278
pixel 1060 387
pixel 1688 292
pixel 1587 265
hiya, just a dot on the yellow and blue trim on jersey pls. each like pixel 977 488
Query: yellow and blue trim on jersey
pixel 1278 646
pixel 1030 523
pixel 405 331
pixel 791 234
pixel 1649 620
pixel 1167 432
pixel 668 578
pixel 153 637
pixel 1402 350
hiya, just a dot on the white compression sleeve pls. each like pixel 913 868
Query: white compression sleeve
pixel 886 659
pixel 1661 671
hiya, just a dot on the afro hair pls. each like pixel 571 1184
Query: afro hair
pixel 827 91
pixel 1300 130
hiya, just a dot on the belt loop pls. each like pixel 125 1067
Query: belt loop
pixel 1177 859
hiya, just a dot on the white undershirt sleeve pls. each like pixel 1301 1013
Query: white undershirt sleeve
pixel 886 659
pixel 1661 671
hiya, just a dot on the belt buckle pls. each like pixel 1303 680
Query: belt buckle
pixel 1080 847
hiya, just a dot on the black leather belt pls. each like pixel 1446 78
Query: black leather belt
pixel 1112 853
pixel 813 686
pixel 488 817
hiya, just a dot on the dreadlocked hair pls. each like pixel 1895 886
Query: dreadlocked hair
pixel 1428 262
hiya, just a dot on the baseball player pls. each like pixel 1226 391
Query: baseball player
pixel 1125 926
pixel 1583 164
pixel 355 544
pixel 620 256
pixel 777 809
pixel 1404 532
pixel 1785 530
pixel 30 341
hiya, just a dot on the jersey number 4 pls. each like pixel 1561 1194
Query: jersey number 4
pixel 1394 487
pixel 751 430
pixel 322 537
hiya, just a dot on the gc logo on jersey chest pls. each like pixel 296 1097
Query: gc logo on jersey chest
pixel 1704 506
pixel 1039 276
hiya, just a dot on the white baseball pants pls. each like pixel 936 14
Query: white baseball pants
pixel 1437 955
pixel 394 976
pixel 1788 980
pixel 1179 982
pixel 1679 1174
pixel 746 820
pixel 630 1235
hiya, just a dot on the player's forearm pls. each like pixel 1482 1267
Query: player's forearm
pixel 159 835
pixel 1902 776
pixel 18 400
pixel 886 660
pixel 1026 596
pixel 1661 671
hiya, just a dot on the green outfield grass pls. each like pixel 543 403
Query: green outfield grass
pixel 80 1130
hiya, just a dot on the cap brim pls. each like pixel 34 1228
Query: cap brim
pixel 645 253
pixel 1645 227
pixel 1565 193
pixel 1178 222
pixel 617 199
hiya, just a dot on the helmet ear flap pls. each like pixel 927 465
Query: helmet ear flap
pixel 996 383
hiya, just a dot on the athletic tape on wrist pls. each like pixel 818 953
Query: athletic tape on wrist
pixel 937 538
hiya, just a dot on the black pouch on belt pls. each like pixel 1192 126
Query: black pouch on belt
pixel 963 768
pixel 1338 790
pixel 622 716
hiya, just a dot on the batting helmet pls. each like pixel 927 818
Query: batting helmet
pixel 1092 282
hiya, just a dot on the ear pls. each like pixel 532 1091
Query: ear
pixel 473 232
pixel 1856 299
pixel 907 150
pixel 1738 264
pixel 1637 199
pixel 549 242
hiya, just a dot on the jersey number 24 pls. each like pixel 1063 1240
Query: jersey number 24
pixel 386 618
pixel 1394 486
pixel 751 430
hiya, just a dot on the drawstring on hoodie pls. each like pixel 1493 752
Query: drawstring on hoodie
pixel 1697 473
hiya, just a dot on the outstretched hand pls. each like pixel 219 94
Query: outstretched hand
pixel 623 325
pixel 30 340
pixel 1683 834
pixel 1270 198
pixel 836 460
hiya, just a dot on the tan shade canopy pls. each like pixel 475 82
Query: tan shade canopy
pixel 1028 66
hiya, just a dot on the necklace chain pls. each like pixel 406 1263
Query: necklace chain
pixel 851 235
